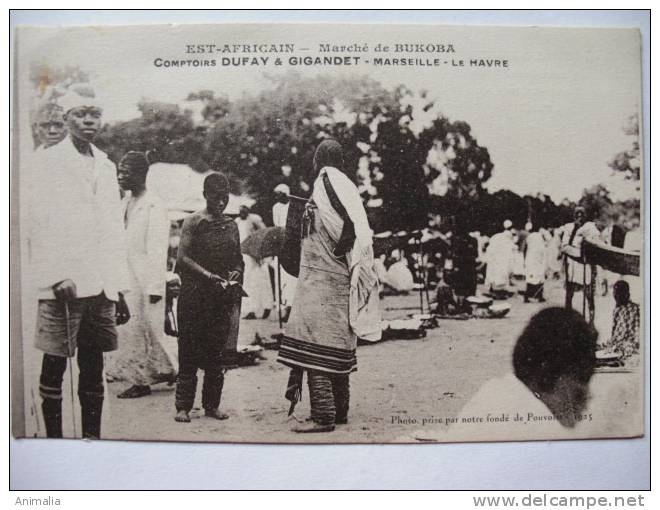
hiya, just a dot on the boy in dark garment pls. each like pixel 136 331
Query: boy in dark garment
pixel 209 258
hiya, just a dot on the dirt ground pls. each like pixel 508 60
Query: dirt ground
pixel 435 375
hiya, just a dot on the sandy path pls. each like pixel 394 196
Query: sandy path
pixel 433 376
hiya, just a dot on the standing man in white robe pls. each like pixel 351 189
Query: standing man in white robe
pixel 141 359
pixel 284 282
pixel 499 256
pixel 535 264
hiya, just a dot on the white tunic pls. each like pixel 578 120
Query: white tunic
pixel 574 268
pixel 141 354
pixel 535 259
pixel 499 256
pixel 256 280
pixel 287 282
pixel 76 229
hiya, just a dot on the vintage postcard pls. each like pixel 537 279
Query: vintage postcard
pixel 318 233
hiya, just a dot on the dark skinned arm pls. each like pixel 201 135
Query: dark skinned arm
pixel 238 266
pixel 185 249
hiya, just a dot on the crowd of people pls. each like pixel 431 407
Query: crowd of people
pixel 98 252
pixel 98 243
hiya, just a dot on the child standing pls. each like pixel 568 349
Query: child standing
pixel 209 259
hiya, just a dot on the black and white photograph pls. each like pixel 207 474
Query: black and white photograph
pixel 320 233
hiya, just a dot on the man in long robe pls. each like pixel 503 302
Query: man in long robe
pixel 535 265
pixel 499 256
pixel 141 359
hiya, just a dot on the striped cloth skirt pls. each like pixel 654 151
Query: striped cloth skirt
pixel 297 353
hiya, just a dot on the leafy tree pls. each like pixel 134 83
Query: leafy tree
pixel 213 108
pixel 627 162
pixel 161 127
pixel 602 209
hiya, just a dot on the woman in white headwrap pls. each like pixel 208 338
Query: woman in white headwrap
pixel 337 293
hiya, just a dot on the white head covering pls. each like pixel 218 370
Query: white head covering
pixel 77 95
pixel 507 224
pixel 282 188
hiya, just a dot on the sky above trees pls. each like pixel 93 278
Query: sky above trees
pixel 552 122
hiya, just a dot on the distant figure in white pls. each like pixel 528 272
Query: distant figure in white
pixel 256 280
pixel 535 264
pixel 284 282
pixel 499 256
pixel 398 277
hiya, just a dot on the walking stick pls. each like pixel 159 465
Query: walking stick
pixel 35 412
pixel 566 282
pixel 69 345
pixel 425 275
pixel 421 271
pixel 300 199
pixel 279 293
pixel 592 294
pixel 584 287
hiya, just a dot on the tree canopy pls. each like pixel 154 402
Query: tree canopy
pixel 409 161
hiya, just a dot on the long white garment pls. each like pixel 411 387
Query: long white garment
pixel 287 283
pixel 256 279
pixel 76 227
pixel 535 259
pixel 499 255
pixel 141 354
pixel 399 277
pixel 364 302
pixel 553 253
pixel 574 268
pixel 256 283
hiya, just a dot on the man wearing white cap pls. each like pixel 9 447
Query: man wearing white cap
pixel 499 255
pixel 78 261
pixel 573 235
pixel 287 283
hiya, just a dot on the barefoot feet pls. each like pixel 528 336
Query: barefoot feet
pixel 182 417
pixel 215 413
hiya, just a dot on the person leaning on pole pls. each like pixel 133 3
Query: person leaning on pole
pixel 578 275
pixel 78 261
